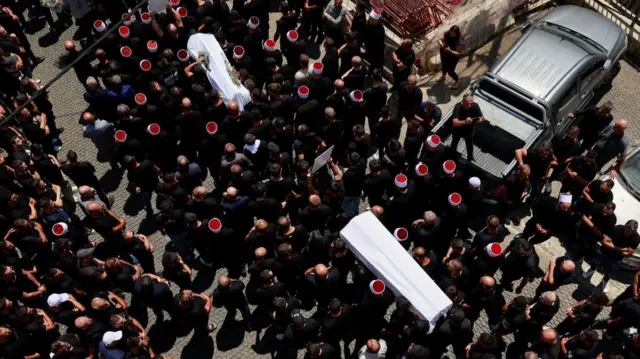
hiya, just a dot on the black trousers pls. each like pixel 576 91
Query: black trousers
pixel 449 64
pixel 468 140
pixel 243 307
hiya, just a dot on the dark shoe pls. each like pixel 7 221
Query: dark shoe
pixel 38 60
pixel 111 200
pixel 60 130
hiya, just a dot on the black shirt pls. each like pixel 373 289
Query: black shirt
pixel 564 147
pixel 461 113
pixel 375 186
pixel 518 265
pixel 83 173
pixel 561 278
pixel 173 223
pixel 596 193
pixel 547 214
pixel 195 310
pixel 353 180
pixel 299 337
pixel 409 100
pixel 579 349
pixel 537 162
pixel 144 176
pixel 621 241
pixel 546 351
pixel 484 238
pixel 18 346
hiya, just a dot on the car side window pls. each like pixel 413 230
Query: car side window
pixel 588 76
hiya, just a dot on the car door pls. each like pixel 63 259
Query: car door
pixel 588 82
pixel 569 101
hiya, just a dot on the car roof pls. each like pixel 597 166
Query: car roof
pixel 539 62
pixel 588 23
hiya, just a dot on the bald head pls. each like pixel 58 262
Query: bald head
pixel 69 45
pixel 620 126
pixel 568 266
pixel 182 161
pixel 84 190
pixel 224 281
pixel 314 200
pixel 186 103
pixel 377 211
pixel 233 106
pixel 262 225
pixel 232 191
pixel 321 271
pixel 548 297
pixel 549 336
pixel 373 346
pixel 339 84
pixel 487 281
pixel 88 117
pixel 429 217
pixel 260 253
pixel 94 207
pixel 199 191
pixel 82 322
pixel 419 252
pixel 356 61
pixel 530 355
pixel 99 303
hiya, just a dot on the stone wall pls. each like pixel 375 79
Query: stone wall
pixel 479 21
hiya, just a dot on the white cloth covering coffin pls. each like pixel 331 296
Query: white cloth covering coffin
pixel 220 73
pixel 375 247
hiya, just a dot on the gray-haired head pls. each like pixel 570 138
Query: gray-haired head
pixel 183 160
pixel 430 217
pixel 606 106
pixel 91 83
pixel 123 110
pixel 115 80
pixel 329 112
pixel 548 297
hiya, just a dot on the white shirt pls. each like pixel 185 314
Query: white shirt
pixel 301 77
pixel 381 354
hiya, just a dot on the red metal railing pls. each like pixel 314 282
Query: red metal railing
pixel 415 17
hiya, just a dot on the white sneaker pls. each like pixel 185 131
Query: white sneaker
pixel 588 273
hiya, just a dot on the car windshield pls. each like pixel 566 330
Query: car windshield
pixel 631 174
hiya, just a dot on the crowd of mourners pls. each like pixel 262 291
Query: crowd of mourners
pixel 155 118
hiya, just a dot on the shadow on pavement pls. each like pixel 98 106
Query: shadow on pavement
pixel 203 280
pixel 162 335
pixel 230 335
pixel 147 226
pixel 199 347
pixel 132 206
pixel 111 179
pixel 48 39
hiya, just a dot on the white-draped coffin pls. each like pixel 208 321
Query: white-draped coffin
pixel 220 73
pixel 374 246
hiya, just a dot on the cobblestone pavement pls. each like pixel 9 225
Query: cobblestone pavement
pixel 231 341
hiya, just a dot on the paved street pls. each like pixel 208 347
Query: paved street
pixel 230 340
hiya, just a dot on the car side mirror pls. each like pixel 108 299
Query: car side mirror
pixel 607 65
